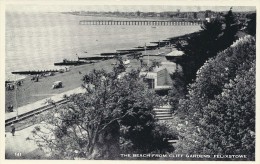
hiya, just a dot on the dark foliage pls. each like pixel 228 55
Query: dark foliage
pixel 114 114
pixel 178 89
pixel 214 37
pixel 220 105
pixel 251 24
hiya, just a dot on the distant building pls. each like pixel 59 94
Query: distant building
pixel 201 15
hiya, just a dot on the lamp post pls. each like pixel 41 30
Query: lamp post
pixel 15 97
pixel 145 54
pixel 159 47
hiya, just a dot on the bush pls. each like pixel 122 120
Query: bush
pixel 220 104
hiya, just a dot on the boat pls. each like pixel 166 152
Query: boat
pixel 71 62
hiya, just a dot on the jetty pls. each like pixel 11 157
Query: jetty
pixel 141 22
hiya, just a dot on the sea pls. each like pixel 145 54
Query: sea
pixel 35 40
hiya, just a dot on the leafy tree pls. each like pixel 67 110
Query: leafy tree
pixel 199 48
pixel 230 31
pixel 195 16
pixel 220 105
pixel 251 24
pixel 229 120
pixel 212 39
pixel 212 29
pixel 154 65
pixel 120 67
pixel 91 125
pixel 138 13
pixel 230 19
pixel 178 89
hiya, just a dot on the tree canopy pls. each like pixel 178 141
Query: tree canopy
pixel 220 105
pixel 251 24
pixel 214 37
pixel 113 115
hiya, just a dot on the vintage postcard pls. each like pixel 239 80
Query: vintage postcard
pixel 128 80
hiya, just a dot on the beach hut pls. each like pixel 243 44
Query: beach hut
pixel 158 79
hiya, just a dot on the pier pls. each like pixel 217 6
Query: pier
pixel 140 22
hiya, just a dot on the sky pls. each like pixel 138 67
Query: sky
pixel 122 8
pixel 119 5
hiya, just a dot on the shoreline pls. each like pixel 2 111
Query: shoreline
pixel 31 91
pixel 172 39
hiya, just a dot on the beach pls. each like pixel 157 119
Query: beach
pixel 31 91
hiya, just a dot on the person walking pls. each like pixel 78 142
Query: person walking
pixel 12 129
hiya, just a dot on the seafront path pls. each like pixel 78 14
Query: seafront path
pixel 18 146
pixel 41 103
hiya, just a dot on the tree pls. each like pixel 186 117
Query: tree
pixel 177 91
pixel 91 125
pixel 138 13
pixel 199 48
pixel 251 24
pixel 220 105
pixel 229 19
pixel 120 67
pixel 214 37
pixel 230 30
pixel 195 15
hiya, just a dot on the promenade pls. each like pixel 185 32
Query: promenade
pixel 41 103
pixel 18 146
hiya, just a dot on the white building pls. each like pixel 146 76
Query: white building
pixel 159 78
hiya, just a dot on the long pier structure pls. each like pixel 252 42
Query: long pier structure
pixel 140 22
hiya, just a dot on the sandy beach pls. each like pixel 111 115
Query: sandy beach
pixel 31 91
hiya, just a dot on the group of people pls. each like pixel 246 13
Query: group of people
pixel 11 85
pixel 35 78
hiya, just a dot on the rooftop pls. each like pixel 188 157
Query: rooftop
pixel 175 52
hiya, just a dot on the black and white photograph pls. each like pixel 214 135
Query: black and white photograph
pixel 157 82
